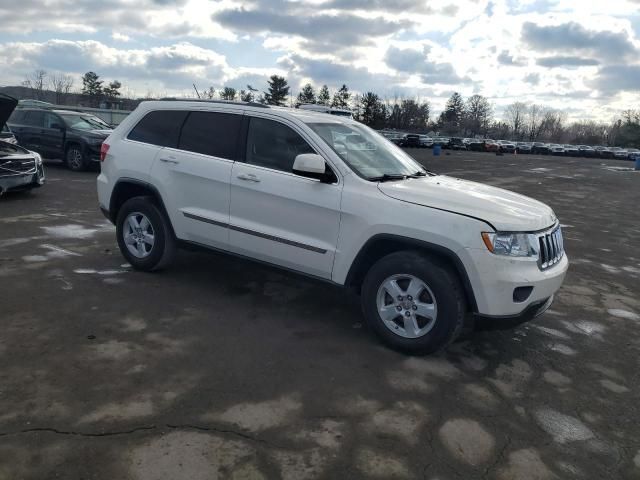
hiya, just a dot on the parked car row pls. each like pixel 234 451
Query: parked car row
pixel 411 140
pixel 74 137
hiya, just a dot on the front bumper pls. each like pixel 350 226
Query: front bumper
pixel 10 183
pixel 494 279
pixel 505 322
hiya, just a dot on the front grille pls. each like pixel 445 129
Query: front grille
pixel 551 248
pixel 17 166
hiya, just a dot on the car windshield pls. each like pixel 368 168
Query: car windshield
pixel 84 122
pixel 368 153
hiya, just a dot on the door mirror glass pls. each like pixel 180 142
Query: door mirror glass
pixel 309 163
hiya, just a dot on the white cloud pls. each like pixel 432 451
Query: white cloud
pixel 581 56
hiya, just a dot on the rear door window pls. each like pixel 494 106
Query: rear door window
pixel 211 133
pixel 34 118
pixel 160 127
pixel 273 145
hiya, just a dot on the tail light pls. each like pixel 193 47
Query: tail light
pixel 104 148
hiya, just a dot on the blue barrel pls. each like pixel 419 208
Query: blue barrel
pixel 637 162
pixel 436 150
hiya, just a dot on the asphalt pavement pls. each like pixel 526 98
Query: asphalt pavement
pixel 222 368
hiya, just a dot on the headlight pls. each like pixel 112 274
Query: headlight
pixel 37 157
pixel 511 244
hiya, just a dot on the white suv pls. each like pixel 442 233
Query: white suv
pixel 330 198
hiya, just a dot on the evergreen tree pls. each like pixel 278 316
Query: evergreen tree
pixel 228 93
pixel 341 97
pixel 246 96
pixel 92 86
pixel 372 110
pixel 453 114
pixel 324 97
pixel 113 90
pixel 278 91
pixel 307 95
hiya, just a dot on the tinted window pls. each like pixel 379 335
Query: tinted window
pixel 34 118
pixel 51 119
pixel 160 128
pixel 273 145
pixel 16 117
pixel 211 133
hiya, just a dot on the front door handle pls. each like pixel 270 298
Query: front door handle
pixel 171 160
pixel 249 177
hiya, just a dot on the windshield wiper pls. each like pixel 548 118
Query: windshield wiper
pixel 387 177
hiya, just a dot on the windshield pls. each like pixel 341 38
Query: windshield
pixel 366 152
pixel 84 122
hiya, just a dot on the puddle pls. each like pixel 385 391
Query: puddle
pixel 91 271
pixel 616 312
pixel 563 428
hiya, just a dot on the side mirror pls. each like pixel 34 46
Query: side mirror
pixel 311 165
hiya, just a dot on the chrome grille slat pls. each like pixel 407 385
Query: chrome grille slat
pixel 17 167
pixel 551 248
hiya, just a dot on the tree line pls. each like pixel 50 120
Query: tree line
pixel 39 82
pixel 471 117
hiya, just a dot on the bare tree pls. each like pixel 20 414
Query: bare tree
pixel 477 115
pixel 61 85
pixel 552 124
pixel 36 81
pixel 515 117
pixel 535 121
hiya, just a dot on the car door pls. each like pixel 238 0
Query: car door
pixel 30 130
pixel 277 216
pixel 52 136
pixel 196 175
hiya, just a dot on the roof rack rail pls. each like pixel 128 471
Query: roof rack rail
pixel 225 102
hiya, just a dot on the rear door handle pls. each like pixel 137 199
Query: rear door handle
pixel 171 160
pixel 250 177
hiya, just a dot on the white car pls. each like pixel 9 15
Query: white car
pixel 295 189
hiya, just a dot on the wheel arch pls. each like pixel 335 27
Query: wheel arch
pixel 126 188
pixel 381 245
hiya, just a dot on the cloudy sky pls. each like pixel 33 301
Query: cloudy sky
pixel 582 56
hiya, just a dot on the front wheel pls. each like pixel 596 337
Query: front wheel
pixel 144 235
pixel 413 302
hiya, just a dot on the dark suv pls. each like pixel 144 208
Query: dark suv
pixel 72 136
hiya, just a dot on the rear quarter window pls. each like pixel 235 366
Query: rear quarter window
pixel 160 127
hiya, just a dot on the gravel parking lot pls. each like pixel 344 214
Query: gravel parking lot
pixel 221 368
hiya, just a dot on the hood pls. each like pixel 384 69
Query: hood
pixel 7 106
pixel 505 210
pixel 9 149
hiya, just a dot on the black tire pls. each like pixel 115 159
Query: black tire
pixel 164 247
pixel 445 286
pixel 74 158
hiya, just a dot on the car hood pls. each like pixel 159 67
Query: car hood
pixel 7 106
pixel 10 150
pixel 506 211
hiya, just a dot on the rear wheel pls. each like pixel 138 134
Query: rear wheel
pixel 413 302
pixel 144 235
pixel 74 158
